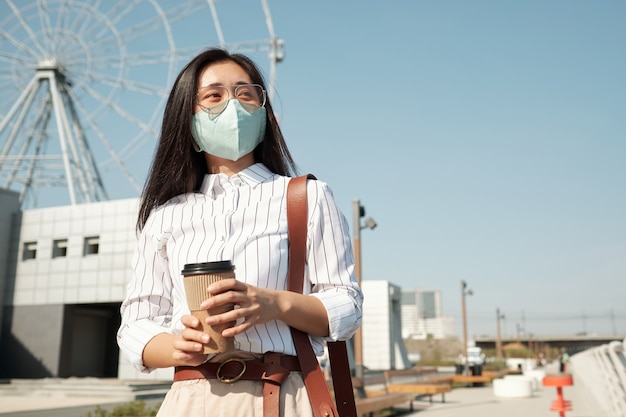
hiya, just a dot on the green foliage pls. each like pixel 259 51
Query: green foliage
pixel 435 352
pixel 98 412
pixel 521 352
pixel 134 409
pixel 495 366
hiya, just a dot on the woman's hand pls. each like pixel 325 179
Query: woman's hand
pixel 165 350
pixel 256 305
pixel 189 347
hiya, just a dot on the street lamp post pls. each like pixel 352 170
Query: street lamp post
pixel 498 335
pixel 464 292
pixel 358 211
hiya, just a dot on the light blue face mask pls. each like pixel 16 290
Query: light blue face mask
pixel 233 133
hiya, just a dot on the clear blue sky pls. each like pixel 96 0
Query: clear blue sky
pixel 486 138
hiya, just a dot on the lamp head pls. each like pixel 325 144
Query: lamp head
pixel 371 223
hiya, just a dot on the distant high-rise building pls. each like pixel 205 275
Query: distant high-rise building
pixel 422 315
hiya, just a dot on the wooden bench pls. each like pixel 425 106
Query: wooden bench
pixel 418 382
pixel 374 397
pixel 477 380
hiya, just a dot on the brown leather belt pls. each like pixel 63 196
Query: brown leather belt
pixel 272 369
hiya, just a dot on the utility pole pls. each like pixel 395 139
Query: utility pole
pixel 499 336
pixel 358 211
pixel 464 292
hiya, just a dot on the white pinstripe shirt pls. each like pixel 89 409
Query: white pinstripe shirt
pixel 242 218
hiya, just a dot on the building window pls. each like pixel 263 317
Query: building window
pixel 59 248
pixel 30 250
pixel 91 245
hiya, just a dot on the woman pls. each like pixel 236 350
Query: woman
pixel 216 191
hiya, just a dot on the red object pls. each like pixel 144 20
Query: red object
pixel 559 381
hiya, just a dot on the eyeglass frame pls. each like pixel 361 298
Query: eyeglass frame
pixel 231 96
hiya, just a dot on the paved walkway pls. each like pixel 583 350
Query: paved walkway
pixel 480 402
pixel 14 406
pixel 465 402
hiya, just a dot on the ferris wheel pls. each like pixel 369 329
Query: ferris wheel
pixel 83 84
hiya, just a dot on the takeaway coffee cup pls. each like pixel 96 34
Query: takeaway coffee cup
pixel 197 277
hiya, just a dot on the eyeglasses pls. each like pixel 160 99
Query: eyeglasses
pixel 214 98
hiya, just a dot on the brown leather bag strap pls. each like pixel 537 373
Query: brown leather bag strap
pixel 321 402
pixel 297 220
pixel 342 378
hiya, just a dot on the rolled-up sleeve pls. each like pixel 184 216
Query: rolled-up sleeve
pixel 147 309
pixel 330 263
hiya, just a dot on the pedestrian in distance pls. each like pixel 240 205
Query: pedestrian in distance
pixel 563 359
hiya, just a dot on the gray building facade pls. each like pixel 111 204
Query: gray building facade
pixel 63 278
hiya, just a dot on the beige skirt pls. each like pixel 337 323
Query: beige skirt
pixel 244 398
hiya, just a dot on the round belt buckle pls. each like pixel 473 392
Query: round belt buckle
pixel 230 380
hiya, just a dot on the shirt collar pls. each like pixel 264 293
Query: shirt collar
pixel 214 184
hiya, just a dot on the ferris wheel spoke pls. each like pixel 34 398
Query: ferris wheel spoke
pixel 106 35
pixel 249 46
pixel 91 26
pixel 116 108
pixel 105 41
pixel 184 10
pixel 19 45
pixel 130 85
pixel 79 14
pixel 120 10
pixel 60 14
pixel 216 23
pixel 15 59
pixel 63 23
pixel 26 27
pixel 134 145
pixel 134 59
pixel 143 29
pixel 81 25
pixel 44 19
pixel 103 139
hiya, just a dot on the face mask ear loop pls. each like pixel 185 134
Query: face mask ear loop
pixel 195 146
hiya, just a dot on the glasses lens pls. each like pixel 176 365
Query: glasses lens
pixel 251 94
pixel 213 99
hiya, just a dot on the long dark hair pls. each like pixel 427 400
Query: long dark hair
pixel 177 168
